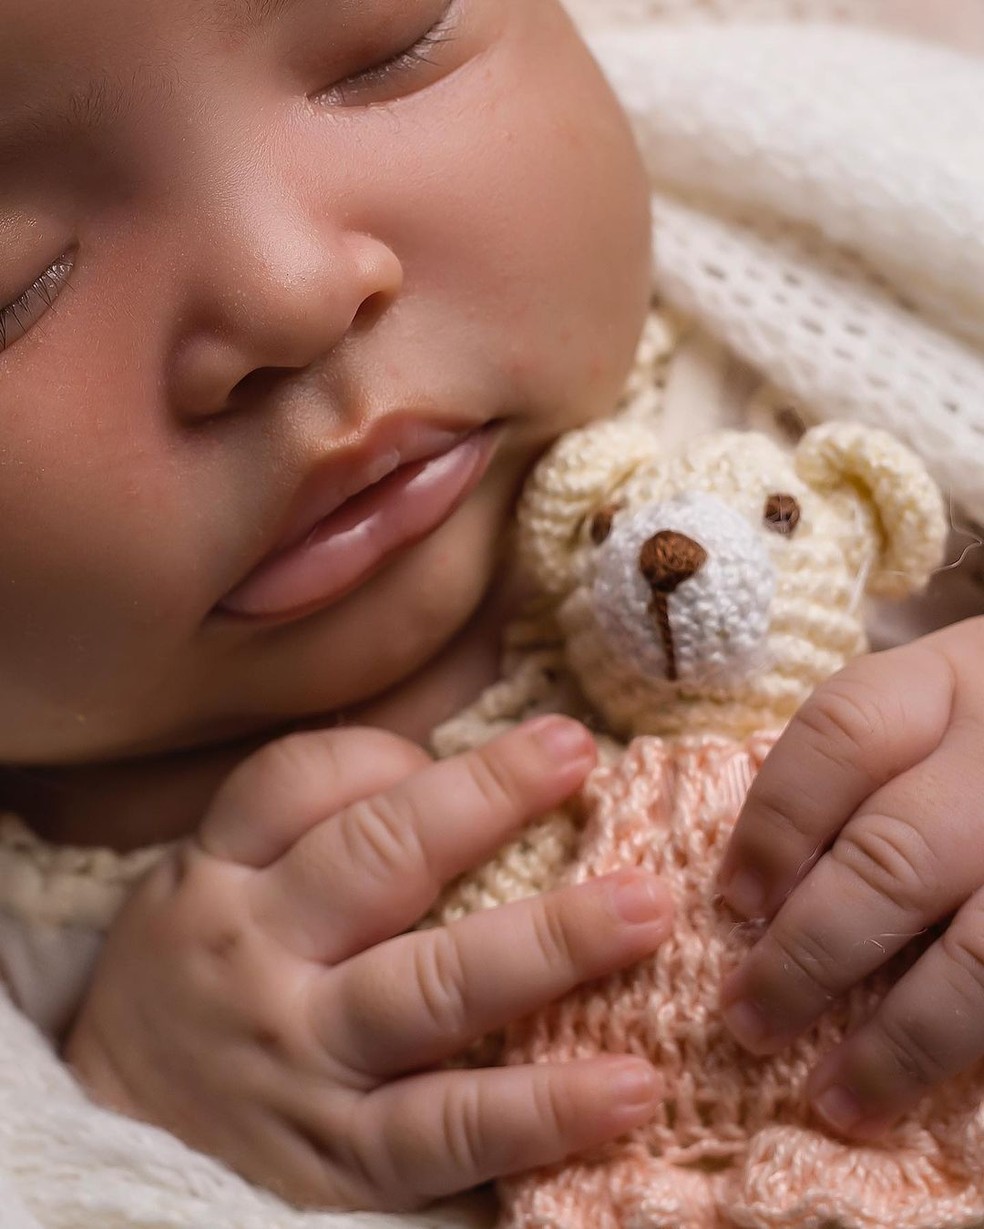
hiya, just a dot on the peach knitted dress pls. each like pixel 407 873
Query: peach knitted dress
pixel 734 1142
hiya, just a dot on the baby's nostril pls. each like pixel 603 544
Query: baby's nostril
pixel 669 558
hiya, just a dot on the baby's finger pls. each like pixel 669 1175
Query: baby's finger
pixel 909 858
pixel 293 784
pixel 874 720
pixel 443 1132
pixel 929 1028
pixel 375 868
pixel 421 998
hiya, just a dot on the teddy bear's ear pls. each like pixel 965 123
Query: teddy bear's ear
pixel 906 515
pixel 577 476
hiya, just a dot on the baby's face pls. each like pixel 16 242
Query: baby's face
pixel 256 253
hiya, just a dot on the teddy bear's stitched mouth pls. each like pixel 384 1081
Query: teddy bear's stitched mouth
pixel 666 560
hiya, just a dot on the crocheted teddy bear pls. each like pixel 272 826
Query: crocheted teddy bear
pixel 691 603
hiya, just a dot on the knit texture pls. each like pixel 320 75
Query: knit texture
pixel 733 1142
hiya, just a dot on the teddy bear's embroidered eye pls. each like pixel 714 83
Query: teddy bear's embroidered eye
pixel 602 522
pixel 782 514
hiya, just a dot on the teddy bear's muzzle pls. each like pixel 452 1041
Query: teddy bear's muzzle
pixel 683 592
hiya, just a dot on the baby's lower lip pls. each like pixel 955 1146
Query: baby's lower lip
pixel 347 547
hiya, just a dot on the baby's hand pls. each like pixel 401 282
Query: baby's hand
pixel 258 998
pixel 864 828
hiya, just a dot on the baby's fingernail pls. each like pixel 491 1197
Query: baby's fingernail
pixel 747 1023
pixel 843 1109
pixel 639 900
pixel 561 738
pixel 745 893
pixel 839 1107
pixel 633 1084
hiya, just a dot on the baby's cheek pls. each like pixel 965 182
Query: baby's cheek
pixel 537 216
pixel 589 235
pixel 100 557
pixel 85 642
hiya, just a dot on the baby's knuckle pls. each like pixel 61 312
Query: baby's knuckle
pixel 355 1168
pixel 440 978
pixel 288 758
pixel 397 752
pixel 553 935
pixel 463 1127
pixel 777 817
pixel 551 1106
pixel 381 840
pixel 273 1036
pixel 892 858
pixel 848 710
pixel 384 1158
pixel 311 1178
pixel 812 957
pixel 492 778
pixel 911 1048
pixel 963 946
pixel 193 902
pixel 375 1009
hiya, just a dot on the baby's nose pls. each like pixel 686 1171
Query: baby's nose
pixel 669 558
pixel 282 303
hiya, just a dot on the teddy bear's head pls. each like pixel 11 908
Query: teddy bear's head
pixel 712 589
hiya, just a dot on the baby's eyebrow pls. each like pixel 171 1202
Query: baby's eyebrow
pixel 102 102
pixel 240 17
pixel 109 100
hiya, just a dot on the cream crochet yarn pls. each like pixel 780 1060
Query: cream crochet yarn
pixel 697 599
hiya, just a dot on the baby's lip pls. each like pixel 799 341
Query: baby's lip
pixel 391 442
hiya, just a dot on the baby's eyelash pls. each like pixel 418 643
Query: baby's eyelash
pixel 18 313
pixel 419 52
pixel 443 31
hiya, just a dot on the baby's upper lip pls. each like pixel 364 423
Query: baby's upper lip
pixel 389 443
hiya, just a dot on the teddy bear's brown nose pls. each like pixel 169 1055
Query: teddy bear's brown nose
pixel 669 558
pixel 666 560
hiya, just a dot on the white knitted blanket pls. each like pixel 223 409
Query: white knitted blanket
pixel 819 205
